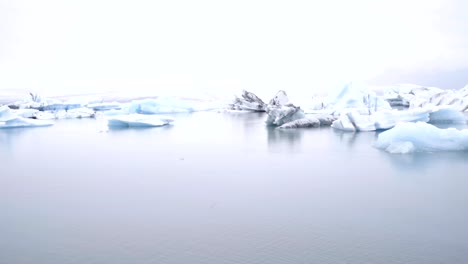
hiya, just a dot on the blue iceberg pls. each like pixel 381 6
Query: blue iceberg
pixel 423 137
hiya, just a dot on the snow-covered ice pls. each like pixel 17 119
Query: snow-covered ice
pixel 248 102
pixel 354 121
pixel 138 120
pixel 8 119
pixel 356 98
pixel 412 137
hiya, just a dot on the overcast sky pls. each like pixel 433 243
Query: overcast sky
pixel 184 46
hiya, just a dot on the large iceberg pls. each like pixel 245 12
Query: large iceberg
pixel 415 96
pixel 8 119
pixel 248 102
pixel 412 137
pixel 138 120
pixel 356 98
pixel 354 121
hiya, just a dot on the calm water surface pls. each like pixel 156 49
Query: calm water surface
pixel 223 188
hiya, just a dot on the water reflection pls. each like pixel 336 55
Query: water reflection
pixel 421 161
pixel 281 139
pixel 353 139
pixel 9 137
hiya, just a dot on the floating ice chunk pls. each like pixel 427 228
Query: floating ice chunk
pixel 310 120
pixel 302 123
pixel 6 114
pixel 354 121
pixel 138 120
pixel 410 137
pixel 447 115
pixel 281 115
pixel 325 119
pixel 160 105
pixel 248 102
pixel 24 122
pixel 10 120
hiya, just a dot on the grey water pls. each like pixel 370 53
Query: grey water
pixel 224 188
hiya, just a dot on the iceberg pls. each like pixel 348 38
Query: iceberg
pixel 151 106
pixel 103 106
pixel 65 114
pixel 10 120
pixel 280 111
pixel 353 121
pixel 26 113
pixel 355 98
pixel 138 120
pixel 415 96
pixel 301 123
pixel 447 115
pixel 278 116
pixel 422 137
pixel 248 102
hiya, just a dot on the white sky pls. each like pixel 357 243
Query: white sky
pixel 64 47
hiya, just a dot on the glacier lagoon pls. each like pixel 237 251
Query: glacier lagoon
pixel 225 188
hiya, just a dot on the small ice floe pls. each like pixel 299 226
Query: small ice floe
pixel 248 102
pixel 137 120
pixel 422 137
pixel 8 119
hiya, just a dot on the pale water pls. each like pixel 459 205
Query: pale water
pixel 223 188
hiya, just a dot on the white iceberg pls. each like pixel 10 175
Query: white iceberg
pixel 412 137
pixel 138 120
pixel 10 120
pixel 278 116
pixel 248 102
pixel 280 111
pixel 415 96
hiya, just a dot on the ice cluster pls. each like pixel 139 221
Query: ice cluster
pixel 8 119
